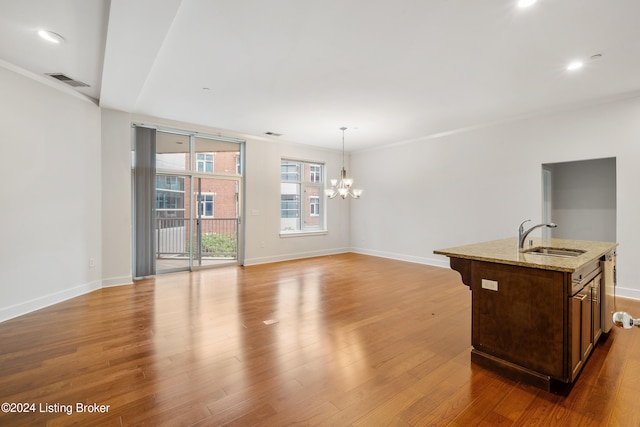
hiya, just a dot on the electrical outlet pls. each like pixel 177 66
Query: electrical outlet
pixel 490 284
pixel 92 262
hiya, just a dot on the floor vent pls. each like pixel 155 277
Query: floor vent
pixel 68 80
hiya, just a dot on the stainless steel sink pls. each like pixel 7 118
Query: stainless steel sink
pixel 567 253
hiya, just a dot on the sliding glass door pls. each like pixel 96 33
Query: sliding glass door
pixel 195 220
pixel 172 223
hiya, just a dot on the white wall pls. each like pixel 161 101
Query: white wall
pixel 50 188
pixel 583 199
pixel 263 241
pixel 479 185
pixel 116 198
pixel 262 196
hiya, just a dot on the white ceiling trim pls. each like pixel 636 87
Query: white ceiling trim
pixel 49 81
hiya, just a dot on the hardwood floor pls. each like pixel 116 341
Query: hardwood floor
pixel 340 340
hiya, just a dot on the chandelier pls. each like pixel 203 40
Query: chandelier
pixel 343 187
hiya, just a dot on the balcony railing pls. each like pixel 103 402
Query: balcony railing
pixel 212 238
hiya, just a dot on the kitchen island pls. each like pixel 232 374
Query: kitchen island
pixel 537 312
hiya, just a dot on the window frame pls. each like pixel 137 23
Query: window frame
pixel 302 181
pixel 315 173
pixel 314 205
pixel 203 201
pixel 207 158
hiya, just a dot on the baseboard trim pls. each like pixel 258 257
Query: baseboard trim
pixel 381 254
pixel 117 281
pixel 402 257
pixel 290 257
pixel 26 307
pixel 627 293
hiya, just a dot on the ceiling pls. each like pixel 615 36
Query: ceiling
pixel 390 71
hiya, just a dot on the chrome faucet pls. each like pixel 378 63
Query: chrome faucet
pixel 522 234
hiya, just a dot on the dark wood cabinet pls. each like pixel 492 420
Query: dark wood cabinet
pixel 581 326
pixel 536 313
pixel 530 324
pixel 577 304
pixel 586 326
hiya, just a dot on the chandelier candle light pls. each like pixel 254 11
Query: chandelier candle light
pixel 342 187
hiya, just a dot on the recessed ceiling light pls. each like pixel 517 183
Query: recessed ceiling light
pixel 525 3
pixel 51 37
pixel 575 65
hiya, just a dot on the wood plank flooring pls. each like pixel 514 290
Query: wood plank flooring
pixel 345 340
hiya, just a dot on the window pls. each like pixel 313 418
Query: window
pixel 204 162
pixel 289 171
pixel 301 185
pixel 315 173
pixel 314 205
pixel 169 201
pixel 168 182
pixel 205 205
pixel 289 206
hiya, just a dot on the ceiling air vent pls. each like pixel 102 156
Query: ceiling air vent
pixel 68 80
pixel 273 134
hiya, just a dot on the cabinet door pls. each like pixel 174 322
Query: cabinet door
pixel 581 330
pixel 576 334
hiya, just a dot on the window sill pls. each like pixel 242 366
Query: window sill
pixel 303 233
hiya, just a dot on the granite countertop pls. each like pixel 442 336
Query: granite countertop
pixel 506 251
